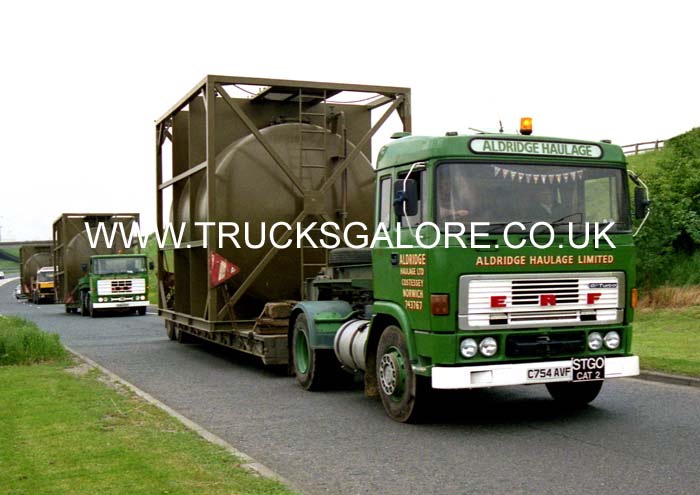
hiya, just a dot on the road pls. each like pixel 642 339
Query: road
pixel 637 437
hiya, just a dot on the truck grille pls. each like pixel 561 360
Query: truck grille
pixel 121 286
pixel 527 292
pixel 540 300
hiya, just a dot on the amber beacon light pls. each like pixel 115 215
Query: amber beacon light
pixel 526 126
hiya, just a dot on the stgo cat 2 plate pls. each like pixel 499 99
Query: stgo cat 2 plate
pixel 588 369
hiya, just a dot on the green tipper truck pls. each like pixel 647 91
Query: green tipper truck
pixel 495 259
pixel 100 278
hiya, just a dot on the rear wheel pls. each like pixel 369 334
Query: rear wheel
pixel 574 394
pixel 315 368
pixel 403 393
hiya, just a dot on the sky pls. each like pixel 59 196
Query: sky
pixel 83 82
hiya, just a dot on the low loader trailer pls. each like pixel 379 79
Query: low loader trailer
pixel 495 259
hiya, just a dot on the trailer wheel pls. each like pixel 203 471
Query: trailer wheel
pixel 315 369
pixel 574 394
pixel 170 330
pixel 403 393
pixel 184 337
pixel 141 311
pixel 349 256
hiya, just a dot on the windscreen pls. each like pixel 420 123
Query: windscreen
pixel 504 193
pixel 121 264
pixel 44 276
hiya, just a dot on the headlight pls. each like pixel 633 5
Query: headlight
pixel 100 299
pixel 612 340
pixel 595 341
pixel 467 348
pixel 488 346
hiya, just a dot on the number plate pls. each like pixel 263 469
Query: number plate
pixel 548 374
pixel 588 369
pixel 122 305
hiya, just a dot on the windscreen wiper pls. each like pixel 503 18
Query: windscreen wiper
pixel 496 226
pixel 560 221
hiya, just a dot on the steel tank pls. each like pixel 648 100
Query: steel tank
pixel 252 188
pixel 31 265
pixel 350 344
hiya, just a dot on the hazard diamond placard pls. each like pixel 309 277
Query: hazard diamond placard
pixel 220 269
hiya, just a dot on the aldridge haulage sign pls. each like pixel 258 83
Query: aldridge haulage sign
pixel 548 148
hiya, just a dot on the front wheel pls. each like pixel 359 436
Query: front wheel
pixel 403 393
pixel 83 304
pixel 574 394
pixel 91 311
pixel 141 310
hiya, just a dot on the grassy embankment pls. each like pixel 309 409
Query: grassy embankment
pixel 63 430
pixel 668 340
pixel 9 265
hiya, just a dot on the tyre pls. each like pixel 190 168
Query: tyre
pixel 349 256
pixel 315 369
pixel 403 393
pixel 91 311
pixel 574 394
pixel 183 337
pixel 170 330
pixel 141 311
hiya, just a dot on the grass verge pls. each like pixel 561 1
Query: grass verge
pixel 69 433
pixel 668 340
pixel 62 430
pixel 22 342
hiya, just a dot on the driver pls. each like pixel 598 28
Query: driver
pixel 456 200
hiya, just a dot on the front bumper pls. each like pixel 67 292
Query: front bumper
pixel 500 375
pixel 119 304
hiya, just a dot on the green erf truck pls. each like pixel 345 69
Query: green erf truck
pixel 94 271
pixel 493 259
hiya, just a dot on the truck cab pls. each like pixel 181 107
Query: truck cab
pixel 114 282
pixel 503 260
pixel 42 286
